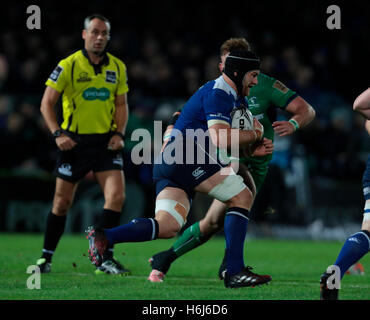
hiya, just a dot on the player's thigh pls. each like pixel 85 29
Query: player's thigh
pixel 227 187
pixel 366 225
pixel 222 185
pixel 366 193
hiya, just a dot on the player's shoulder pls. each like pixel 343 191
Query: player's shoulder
pixel 220 85
pixel 265 79
pixel 68 60
pixel 116 60
pixel 270 83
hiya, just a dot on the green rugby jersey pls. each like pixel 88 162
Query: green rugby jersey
pixel 263 100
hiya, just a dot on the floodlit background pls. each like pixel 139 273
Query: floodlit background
pixel 171 48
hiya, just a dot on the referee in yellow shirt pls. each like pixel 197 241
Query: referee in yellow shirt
pixel 91 137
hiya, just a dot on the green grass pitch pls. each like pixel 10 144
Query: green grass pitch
pixel 295 267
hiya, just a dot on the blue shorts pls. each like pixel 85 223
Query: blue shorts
pixel 366 180
pixel 185 174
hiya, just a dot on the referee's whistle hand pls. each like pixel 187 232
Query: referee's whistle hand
pixel 65 143
pixel 115 143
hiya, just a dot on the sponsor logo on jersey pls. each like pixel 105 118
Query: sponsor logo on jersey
pixel 65 169
pixel 219 116
pixel 84 77
pixel 110 76
pixel 56 73
pixel 92 93
pixel 198 172
pixel 253 103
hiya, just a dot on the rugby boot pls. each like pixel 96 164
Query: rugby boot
pixel 245 278
pixel 98 244
pixel 112 266
pixel 45 267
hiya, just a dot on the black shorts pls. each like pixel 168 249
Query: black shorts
pixel 90 153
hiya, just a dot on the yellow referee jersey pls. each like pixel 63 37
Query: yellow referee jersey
pixel 89 91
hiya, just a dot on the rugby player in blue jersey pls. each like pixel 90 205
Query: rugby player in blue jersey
pixel 358 244
pixel 207 111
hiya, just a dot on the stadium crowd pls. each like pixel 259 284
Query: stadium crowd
pixel 169 56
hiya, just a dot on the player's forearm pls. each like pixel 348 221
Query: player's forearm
pixel 302 112
pixel 48 113
pixel 48 102
pixel 121 117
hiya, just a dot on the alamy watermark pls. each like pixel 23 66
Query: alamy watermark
pixel 193 147
pixel 34 280
pixel 334 20
pixel 333 281
pixel 34 18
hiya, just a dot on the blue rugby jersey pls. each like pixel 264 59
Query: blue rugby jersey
pixel 210 104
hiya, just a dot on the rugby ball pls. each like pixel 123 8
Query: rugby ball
pixel 241 118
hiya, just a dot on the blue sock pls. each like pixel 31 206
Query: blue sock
pixel 235 229
pixel 138 230
pixel 355 247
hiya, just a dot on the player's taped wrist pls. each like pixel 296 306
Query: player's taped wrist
pixel 295 124
pixel 167 134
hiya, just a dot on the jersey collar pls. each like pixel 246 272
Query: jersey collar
pixel 97 67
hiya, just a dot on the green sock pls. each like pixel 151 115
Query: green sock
pixel 190 239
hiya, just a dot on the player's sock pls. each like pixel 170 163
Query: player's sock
pixel 54 229
pixel 235 229
pixel 110 219
pixel 355 247
pixel 190 239
pixel 138 230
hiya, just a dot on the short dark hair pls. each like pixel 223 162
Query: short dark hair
pixel 95 16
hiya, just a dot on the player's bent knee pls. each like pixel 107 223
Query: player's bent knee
pixel 228 188
pixel 61 205
pixel 244 199
pixel 177 210
pixel 167 226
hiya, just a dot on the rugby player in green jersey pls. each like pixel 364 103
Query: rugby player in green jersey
pixel 263 100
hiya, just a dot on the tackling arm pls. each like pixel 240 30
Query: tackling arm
pixel 303 114
pixel 222 135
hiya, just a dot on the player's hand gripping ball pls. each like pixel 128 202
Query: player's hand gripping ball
pixel 242 119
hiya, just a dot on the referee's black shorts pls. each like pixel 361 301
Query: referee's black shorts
pixel 90 153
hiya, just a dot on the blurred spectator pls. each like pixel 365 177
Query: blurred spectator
pixel 169 59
